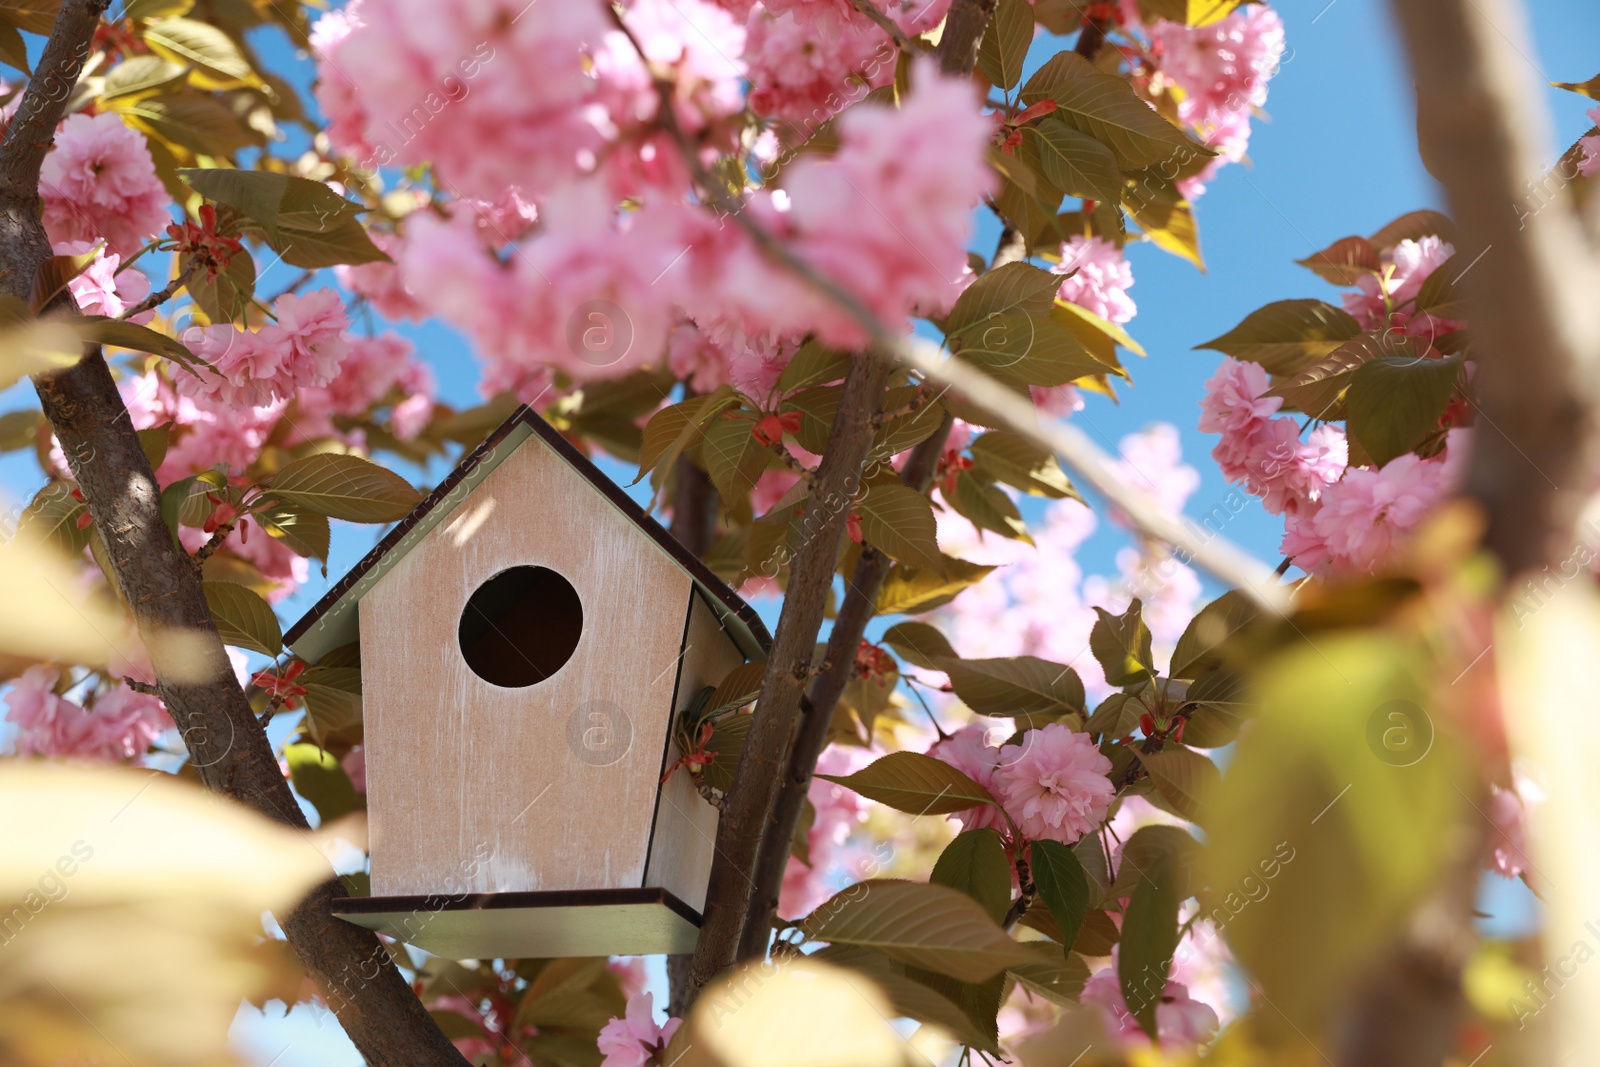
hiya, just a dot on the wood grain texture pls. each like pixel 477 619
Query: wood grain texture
pixel 686 826
pixel 482 789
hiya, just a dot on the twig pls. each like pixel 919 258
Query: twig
pixel 161 296
pixel 886 24
pixel 141 687
pixel 294 286
pixel 915 404
pixel 206 550
pixel 805 472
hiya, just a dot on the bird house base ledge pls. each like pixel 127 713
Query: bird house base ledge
pixel 543 925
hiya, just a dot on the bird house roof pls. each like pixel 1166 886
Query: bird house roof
pixel 332 623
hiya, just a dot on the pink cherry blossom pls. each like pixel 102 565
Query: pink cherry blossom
pixel 970 751
pixel 1182 1022
pixel 493 94
pixel 798 67
pixel 1361 520
pixel 1151 461
pixel 1100 277
pixel 1589 165
pixel 99 183
pixel 381 282
pixel 636 1039
pixel 373 369
pixel 701 43
pixel 1263 452
pixel 1405 267
pixel 105 288
pixel 355 765
pixel 1223 70
pixel 119 724
pixel 1053 784
pixel 254 368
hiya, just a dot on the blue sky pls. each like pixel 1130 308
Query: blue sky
pixel 1337 156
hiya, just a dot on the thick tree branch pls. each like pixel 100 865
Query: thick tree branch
pixel 1536 342
pixel 860 604
pixel 694 503
pixel 963 32
pixel 747 807
pixel 383 1017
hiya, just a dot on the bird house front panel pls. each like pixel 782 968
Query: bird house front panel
pixel 518 672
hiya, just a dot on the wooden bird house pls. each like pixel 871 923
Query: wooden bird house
pixel 527 635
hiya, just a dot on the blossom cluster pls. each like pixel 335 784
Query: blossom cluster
pixel 252 368
pixel 99 183
pixel 118 724
pixel 1052 784
pixel 1262 449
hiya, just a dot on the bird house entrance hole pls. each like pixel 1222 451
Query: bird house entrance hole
pixel 521 626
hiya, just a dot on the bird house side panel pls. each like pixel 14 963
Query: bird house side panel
pixel 480 787
pixel 682 846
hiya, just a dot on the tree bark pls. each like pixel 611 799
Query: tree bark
pixel 162 589
pixel 1529 285
pixel 963 32
pixel 849 626
pixel 749 803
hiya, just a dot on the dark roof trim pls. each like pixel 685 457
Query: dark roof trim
pixel 714 587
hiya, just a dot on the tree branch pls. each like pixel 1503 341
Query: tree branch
pixel 694 503
pixel 377 1008
pixel 1536 342
pixel 886 24
pixel 963 32
pixel 746 807
pixel 161 296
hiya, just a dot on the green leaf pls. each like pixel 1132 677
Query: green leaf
pixel 975 863
pixel 1363 830
pixel 898 521
pixel 1117 716
pixel 31 16
pixel 189 120
pixel 909 998
pixel 13 49
pixel 733 457
pixel 34 347
pixel 243 618
pixel 340 240
pixel 1395 404
pixel 1063 885
pixel 906 431
pixel 310 224
pixel 1197 651
pixel 54 274
pixel 1057 974
pixel 675 428
pixel 1220 709
pixel 1030 349
pixel 1438 294
pixel 333 704
pixel 1012 287
pixel 1320 389
pixel 225 297
pixel 1009 457
pixel 1163 213
pixel 141 74
pixel 921 925
pixel 1075 162
pixel 153 443
pixel 1184 778
pixel 99 330
pixel 305 533
pixel 987 508
pixel 814 364
pixel 1122 645
pixel 1106 108
pixel 345 487
pixel 910 590
pixel 1413 226
pixel 728 736
pixel 52 518
pixel 1015 686
pixel 1006 42
pixel 20 429
pixel 1287 336
pixel 1590 88
pixel 919 643
pixel 817 407
pixel 1103 326
pixel 738 687
pixel 319 778
pixel 202 46
pixel 1149 938
pixel 1345 262
pixel 914 783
